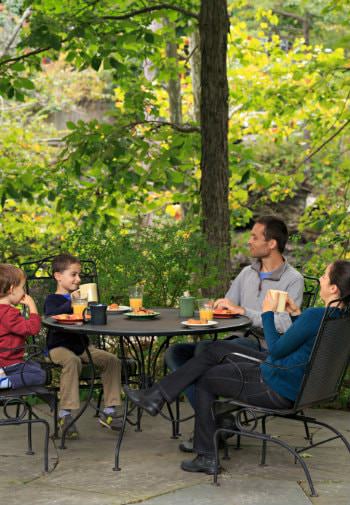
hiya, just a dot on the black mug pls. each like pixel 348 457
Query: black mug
pixel 98 314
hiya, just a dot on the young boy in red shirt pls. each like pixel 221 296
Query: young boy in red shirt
pixel 14 330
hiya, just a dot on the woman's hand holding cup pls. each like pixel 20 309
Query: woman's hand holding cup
pixel 292 308
pixel 270 302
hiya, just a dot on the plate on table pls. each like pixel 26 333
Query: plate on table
pixel 223 314
pixel 114 308
pixel 198 324
pixel 142 315
pixel 68 319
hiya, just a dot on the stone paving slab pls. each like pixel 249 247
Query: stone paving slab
pixel 150 463
pixel 236 492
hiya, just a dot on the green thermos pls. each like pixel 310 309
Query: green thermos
pixel 186 303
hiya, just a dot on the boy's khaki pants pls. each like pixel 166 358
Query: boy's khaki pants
pixel 108 364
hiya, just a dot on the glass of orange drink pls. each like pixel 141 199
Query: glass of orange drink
pixel 78 306
pixel 206 309
pixel 135 297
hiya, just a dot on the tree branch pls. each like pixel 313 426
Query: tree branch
pixel 24 56
pixel 318 149
pixel 181 128
pixel 301 19
pixel 9 43
pixel 158 7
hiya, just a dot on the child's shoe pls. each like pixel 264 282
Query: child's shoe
pixel 72 433
pixel 110 421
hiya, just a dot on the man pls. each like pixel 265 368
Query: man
pixel 269 270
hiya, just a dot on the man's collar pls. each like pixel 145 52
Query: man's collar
pixel 275 275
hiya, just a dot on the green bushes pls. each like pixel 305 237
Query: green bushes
pixel 167 259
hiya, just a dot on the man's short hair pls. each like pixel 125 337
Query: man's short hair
pixel 275 229
pixel 63 261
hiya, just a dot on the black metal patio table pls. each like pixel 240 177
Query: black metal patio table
pixel 132 334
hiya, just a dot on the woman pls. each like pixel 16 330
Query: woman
pixel 217 372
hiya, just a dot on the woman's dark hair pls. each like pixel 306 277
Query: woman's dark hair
pixel 63 261
pixel 339 275
pixel 275 229
pixel 9 276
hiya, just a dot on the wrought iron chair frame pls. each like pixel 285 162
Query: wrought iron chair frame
pixel 41 273
pixel 305 399
pixel 24 413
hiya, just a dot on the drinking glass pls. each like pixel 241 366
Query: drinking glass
pixel 135 297
pixel 206 309
pixel 78 306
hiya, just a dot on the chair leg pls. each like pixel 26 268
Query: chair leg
pixel 216 450
pixel 55 417
pixel 263 450
pixel 29 451
pixel 99 401
pixel 269 438
pixel 308 435
pixel 116 467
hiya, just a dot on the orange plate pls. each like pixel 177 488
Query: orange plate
pixel 223 314
pixel 67 318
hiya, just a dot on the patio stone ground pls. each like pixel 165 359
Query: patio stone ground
pixel 151 474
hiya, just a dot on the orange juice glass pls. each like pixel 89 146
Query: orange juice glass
pixel 206 309
pixel 136 296
pixel 78 306
pixel 135 303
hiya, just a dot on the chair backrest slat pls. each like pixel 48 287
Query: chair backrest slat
pixel 40 281
pixel 311 290
pixel 329 359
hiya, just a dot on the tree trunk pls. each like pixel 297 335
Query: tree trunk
pixel 195 62
pixel 174 84
pixel 213 27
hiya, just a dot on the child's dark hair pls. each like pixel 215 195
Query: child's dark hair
pixel 63 261
pixel 9 276
pixel 339 275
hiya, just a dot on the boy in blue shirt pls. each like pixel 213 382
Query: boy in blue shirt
pixel 68 350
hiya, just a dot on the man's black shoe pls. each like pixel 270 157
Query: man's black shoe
pixel 200 464
pixel 150 399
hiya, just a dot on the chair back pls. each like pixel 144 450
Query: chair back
pixel 311 290
pixel 40 281
pixel 329 358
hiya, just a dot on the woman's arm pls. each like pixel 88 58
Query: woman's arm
pixel 305 326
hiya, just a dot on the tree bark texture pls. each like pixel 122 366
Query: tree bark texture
pixel 214 26
pixel 174 84
pixel 195 63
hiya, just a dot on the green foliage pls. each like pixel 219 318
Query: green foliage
pixel 166 258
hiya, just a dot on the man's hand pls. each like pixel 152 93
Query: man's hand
pixel 292 308
pixel 75 294
pixel 225 303
pixel 28 300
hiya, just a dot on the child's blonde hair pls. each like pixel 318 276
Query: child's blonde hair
pixel 9 276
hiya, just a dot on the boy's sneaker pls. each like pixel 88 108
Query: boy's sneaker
pixel 72 433
pixel 110 421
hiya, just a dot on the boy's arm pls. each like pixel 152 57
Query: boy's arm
pixel 15 323
pixel 54 306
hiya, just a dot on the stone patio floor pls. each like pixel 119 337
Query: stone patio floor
pixel 151 474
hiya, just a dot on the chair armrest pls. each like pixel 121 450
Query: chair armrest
pixel 251 358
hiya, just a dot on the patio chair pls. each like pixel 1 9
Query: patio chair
pixel 322 381
pixel 39 284
pixel 17 407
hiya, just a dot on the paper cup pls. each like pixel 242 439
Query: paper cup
pixel 89 291
pixel 280 297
